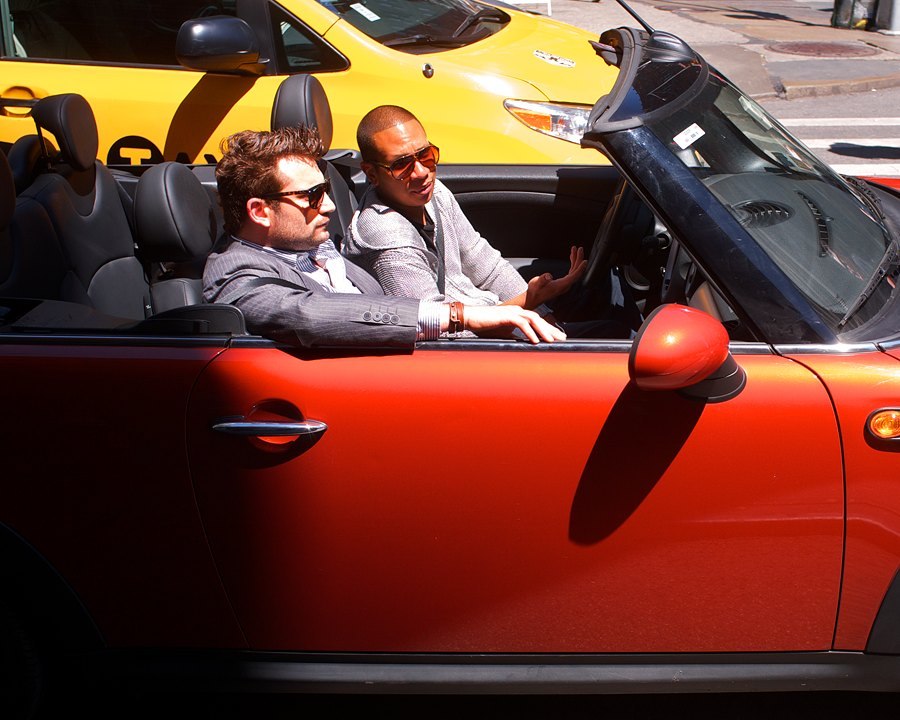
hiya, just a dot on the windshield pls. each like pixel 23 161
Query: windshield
pixel 421 25
pixel 826 233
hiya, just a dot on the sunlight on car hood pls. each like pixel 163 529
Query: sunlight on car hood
pixel 555 57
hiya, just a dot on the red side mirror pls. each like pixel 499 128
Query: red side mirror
pixel 682 348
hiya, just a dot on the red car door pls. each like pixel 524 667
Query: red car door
pixel 96 481
pixel 517 500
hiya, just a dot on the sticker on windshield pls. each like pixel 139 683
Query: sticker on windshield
pixel 554 59
pixel 688 136
pixel 365 12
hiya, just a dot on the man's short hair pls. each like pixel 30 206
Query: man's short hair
pixel 376 120
pixel 249 166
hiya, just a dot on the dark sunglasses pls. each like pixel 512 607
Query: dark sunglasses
pixel 402 167
pixel 315 194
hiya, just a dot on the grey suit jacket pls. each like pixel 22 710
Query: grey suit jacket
pixel 310 315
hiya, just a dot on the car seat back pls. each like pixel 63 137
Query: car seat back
pixel 301 100
pixel 175 226
pixel 28 157
pixel 83 202
pixel 31 261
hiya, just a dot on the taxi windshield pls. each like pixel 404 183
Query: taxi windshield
pixel 420 25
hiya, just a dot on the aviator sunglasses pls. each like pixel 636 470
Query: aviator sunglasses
pixel 402 167
pixel 315 194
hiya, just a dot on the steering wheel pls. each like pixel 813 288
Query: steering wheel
pixel 626 223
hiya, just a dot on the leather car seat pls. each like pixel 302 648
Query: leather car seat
pixel 301 100
pixel 28 157
pixel 175 228
pixel 31 261
pixel 82 199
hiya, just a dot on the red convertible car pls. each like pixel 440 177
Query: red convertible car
pixel 707 507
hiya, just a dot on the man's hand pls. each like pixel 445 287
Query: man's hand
pixel 543 287
pixel 502 320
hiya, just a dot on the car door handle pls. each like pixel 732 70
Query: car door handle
pixel 269 428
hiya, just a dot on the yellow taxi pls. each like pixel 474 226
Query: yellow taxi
pixel 168 79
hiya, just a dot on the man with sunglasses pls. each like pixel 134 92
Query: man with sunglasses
pixel 278 264
pixel 411 234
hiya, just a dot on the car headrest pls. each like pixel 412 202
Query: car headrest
pixel 173 214
pixel 7 193
pixel 301 100
pixel 27 161
pixel 70 118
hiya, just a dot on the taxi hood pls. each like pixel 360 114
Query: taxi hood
pixel 554 57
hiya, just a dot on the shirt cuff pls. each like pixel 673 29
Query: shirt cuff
pixel 428 324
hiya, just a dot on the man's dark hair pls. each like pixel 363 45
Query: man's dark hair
pixel 376 120
pixel 249 166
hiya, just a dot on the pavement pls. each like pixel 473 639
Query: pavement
pixel 768 48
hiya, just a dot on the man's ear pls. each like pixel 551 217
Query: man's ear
pixel 259 211
pixel 369 169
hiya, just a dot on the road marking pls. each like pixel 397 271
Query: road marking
pixel 864 142
pixel 871 169
pixel 839 122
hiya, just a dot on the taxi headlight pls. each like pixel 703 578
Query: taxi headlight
pixel 567 122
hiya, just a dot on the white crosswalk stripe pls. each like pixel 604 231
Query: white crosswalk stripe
pixel 867 169
pixel 854 154
pixel 839 122
pixel 861 142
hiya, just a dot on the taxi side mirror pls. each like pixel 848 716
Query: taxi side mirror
pixel 220 44
pixel 684 349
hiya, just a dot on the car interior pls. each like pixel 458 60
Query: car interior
pixel 104 30
pixel 127 246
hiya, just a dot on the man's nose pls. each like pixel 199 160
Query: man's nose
pixel 419 170
pixel 327 205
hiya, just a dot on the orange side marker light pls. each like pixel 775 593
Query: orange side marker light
pixel 885 424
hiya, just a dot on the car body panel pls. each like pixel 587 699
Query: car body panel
pixel 548 508
pixel 183 115
pixel 545 53
pixel 119 524
pixel 873 543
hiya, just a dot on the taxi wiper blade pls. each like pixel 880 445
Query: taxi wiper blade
pixel 483 14
pixel 435 40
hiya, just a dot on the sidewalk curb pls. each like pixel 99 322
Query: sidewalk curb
pixel 795 89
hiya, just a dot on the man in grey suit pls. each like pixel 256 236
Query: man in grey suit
pixel 279 266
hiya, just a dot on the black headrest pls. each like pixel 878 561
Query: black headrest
pixel 301 100
pixel 173 214
pixel 7 193
pixel 27 161
pixel 70 118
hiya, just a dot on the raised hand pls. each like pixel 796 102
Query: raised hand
pixel 542 288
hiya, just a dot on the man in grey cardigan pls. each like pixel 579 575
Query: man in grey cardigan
pixel 412 235
pixel 279 266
